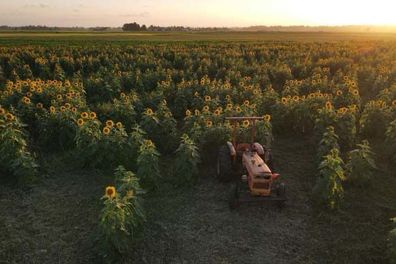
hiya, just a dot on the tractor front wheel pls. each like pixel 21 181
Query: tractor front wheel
pixel 224 164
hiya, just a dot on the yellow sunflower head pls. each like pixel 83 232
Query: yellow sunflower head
pixel 119 125
pixel 84 115
pixel 149 143
pixel 74 109
pixel 339 92
pixel 110 192
pixel 80 122
pixel 355 92
pixel 92 115
pixel 245 123
pixel 329 106
pixel 197 112
pixel 10 117
pixel 229 107
pixel 205 108
pixel 228 97
pixel 217 112
pixel 188 112
pixel 394 103
pixel 52 109
pixel 267 118
pixel 284 100
pixel 2 111
pixel 149 111
pixel 26 100
pixel 296 98
pixel 207 98
pixel 106 130
pixel 122 95
pixel 67 105
pixel 62 108
pixel 246 102
pixel 109 123
pixel 209 123
pixel 238 109
pixel 59 97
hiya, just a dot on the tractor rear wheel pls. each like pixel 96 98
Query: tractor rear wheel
pixel 224 164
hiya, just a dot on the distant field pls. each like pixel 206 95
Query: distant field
pixel 77 38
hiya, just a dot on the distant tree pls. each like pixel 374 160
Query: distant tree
pixel 131 27
pixel 143 28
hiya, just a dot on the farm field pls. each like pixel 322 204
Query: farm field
pixel 74 107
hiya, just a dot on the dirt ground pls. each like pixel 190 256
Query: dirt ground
pixel 55 220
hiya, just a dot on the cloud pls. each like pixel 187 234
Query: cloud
pixel 136 15
pixel 38 5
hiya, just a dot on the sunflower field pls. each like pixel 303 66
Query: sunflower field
pixel 133 108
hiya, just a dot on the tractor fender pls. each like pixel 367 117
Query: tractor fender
pixel 231 148
pixel 258 148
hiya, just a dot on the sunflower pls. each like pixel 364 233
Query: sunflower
pixel 196 94
pixel 188 112
pixel 339 92
pixel 29 94
pixel 267 118
pixel 245 123
pixel 355 92
pixel 122 95
pixel 26 100
pixel 74 109
pixel 296 98
pixel 2 111
pixel 246 102
pixel 80 122
pixel 62 108
pixel 217 112
pixel 52 109
pixel 10 117
pixel 39 90
pixel 106 130
pixel 59 97
pixel 228 97
pixel 110 192
pixel 119 125
pixel 205 108
pixel 67 105
pixel 92 115
pixel 84 115
pixel 284 100
pixel 149 112
pixel 329 106
pixel 256 91
pixel 209 123
pixel 149 143
pixel 197 112
pixel 207 98
pixel 394 103
pixel 109 123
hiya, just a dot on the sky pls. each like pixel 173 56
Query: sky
pixel 198 13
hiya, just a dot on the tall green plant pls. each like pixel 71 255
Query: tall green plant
pixel 329 141
pixel 148 165
pixel 361 164
pixel 122 217
pixel 328 190
pixel 15 158
pixel 187 160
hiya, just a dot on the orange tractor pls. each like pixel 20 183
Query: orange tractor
pixel 256 181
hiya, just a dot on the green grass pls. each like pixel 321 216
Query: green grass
pixel 89 38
